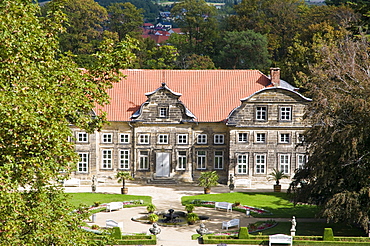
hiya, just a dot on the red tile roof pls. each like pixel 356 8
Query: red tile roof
pixel 209 94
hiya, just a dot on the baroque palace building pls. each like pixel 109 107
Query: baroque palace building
pixel 175 124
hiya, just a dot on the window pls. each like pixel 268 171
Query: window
pixel 144 139
pixel 124 138
pixel 201 159
pixel 242 165
pixel 300 138
pixel 163 112
pixel 261 113
pixel 219 159
pixel 163 139
pixel 107 159
pixel 124 159
pixel 144 160
pixel 301 160
pixel 284 162
pixel 242 137
pixel 181 160
pixel 107 138
pixel 260 161
pixel 219 139
pixel 182 139
pixel 83 163
pixel 286 113
pixel 284 138
pixel 82 137
pixel 260 137
pixel 202 139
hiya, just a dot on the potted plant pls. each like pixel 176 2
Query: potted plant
pixel 276 176
pixel 207 180
pixel 189 208
pixel 153 218
pixel 122 176
pixel 192 218
pixel 151 208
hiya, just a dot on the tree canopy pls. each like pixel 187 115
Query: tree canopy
pixel 42 92
pixel 336 175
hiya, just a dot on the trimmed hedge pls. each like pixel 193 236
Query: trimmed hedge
pixel 138 240
pixel 328 234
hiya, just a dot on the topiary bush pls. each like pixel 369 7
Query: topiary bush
pixel 243 233
pixel 328 234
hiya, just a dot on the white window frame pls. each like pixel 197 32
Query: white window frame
pixel 219 159
pixel 201 159
pixel 219 139
pixel 181 160
pixel 242 137
pixel 162 139
pixel 107 138
pixel 259 138
pixel 107 158
pixel 242 164
pixel 301 160
pixel 284 163
pixel 82 137
pixel 202 139
pixel 124 159
pixel 284 138
pixel 285 113
pixel 143 160
pixel 124 138
pixel 260 163
pixel 163 112
pixel 261 113
pixel 182 138
pixel 144 138
pixel 83 162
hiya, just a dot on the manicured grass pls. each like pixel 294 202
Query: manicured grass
pixel 315 229
pixel 276 202
pixel 88 199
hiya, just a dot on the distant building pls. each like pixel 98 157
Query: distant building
pixel 175 124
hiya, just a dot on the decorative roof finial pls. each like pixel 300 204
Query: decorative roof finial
pixel 163 84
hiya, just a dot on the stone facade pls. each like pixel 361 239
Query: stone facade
pixel 164 140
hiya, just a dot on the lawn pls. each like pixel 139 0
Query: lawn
pixel 88 199
pixel 276 202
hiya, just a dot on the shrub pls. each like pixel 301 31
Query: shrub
pixel 95 227
pixel 243 233
pixel 151 208
pixel 189 208
pixel 153 218
pixel 96 204
pixel 328 234
pixel 116 233
pixel 192 218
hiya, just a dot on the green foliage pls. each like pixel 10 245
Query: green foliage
pixel 189 207
pixel 328 235
pixel 208 179
pixel 151 208
pixel 89 198
pixel 153 217
pixel 121 176
pixel 277 175
pixel 116 233
pixel 243 233
pixel 192 217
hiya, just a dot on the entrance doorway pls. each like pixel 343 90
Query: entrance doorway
pixel 163 164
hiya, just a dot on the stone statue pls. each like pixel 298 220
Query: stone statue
pixel 231 184
pixel 294 223
pixel 155 230
pixel 93 185
pixel 202 230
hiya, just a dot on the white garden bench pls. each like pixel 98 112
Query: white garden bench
pixel 243 183
pixel 224 205
pixel 72 182
pixel 230 223
pixel 114 206
pixel 280 239
pixel 112 223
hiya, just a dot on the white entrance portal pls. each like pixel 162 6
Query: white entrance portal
pixel 163 164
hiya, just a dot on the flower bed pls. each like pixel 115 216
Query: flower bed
pixel 250 208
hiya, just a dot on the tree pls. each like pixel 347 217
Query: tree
pixel 336 175
pixel 243 50
pixel 125 19
pixel 42 93
pixel 84 27
pixel 197 19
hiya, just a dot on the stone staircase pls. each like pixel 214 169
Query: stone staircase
pixel 162 181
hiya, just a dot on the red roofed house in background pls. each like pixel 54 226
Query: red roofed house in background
pixel 174 124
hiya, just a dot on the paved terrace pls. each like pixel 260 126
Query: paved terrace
pixel 165 197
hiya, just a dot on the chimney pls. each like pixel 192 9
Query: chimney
pixel 275 76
